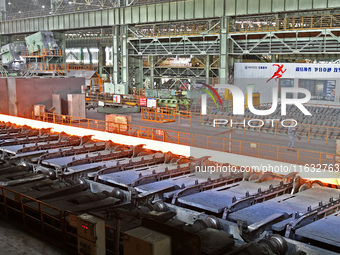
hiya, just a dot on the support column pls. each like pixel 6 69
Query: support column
pixel 152 71
pixel 90 56
pixel 101 59
pixel 141 72
pixel 124 58
pixel 3 11
pixel 207 69
pixel 115 55
pixel 224 45
pixel 81 55
pixel 138 74
pixel 63 48
pixel 101 55
pixel 61 40
pixel 3 40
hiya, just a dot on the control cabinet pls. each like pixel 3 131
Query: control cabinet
pixel 144 241
pixel 91 235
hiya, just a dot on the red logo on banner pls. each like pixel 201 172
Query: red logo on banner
pixel 278 74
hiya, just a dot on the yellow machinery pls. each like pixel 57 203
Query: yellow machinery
pixel 256 98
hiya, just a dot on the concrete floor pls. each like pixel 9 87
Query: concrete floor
pixel 13 241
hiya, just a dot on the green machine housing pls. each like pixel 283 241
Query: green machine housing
pixel 41 40
pixel 11 56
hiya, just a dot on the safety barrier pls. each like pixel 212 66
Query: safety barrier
pixel 157 115
pixel 81 67
pixel 43 53
pixel 225 144
pixel 109 100
pixel 194 117
pixel 46 67
pixel 273 127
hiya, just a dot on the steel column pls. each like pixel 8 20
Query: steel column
pixel 90 55
pixel 124 57
pixel 115 55
pixel 3 11
pixel 3 40
pixel 136 71
pixel 101 59
pixel 207 70
pixel 63 47
pixel 81 55
pixel 139 78
pixel 224 58
pixel 152 71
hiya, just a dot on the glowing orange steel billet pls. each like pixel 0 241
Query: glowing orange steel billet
pixel 218 156
pixel 99 135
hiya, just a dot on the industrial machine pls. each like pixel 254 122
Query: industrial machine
pixel 145 201
pixel 176 103
pixel 43 55
pixel 11 57
pixel 145 241
pixel 91 235
pixel 43 40
pixel 169 98
pixel 39 55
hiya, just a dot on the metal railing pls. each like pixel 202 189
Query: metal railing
pixel 46 221
pixel 81 67
pixel 306 130
pixel 268 24
pixel 194 117
pixel 46 67
pixel 137 92
pixel 29 213
pixel 266 151
pixel 43 53
pixel 157 115
pixel 108 100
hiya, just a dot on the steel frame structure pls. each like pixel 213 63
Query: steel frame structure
pixel 185 45
pixel 202 28
pixel 324 41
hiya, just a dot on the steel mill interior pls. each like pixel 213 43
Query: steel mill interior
pixel 170 127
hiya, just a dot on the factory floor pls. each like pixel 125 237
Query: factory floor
pixel 13 241
pixel 250 136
